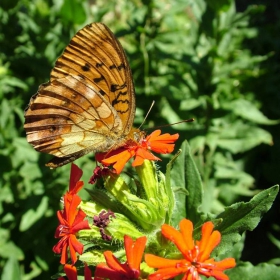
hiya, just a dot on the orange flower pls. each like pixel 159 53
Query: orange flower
pixel 196 254
pixel 71 220
pixel 139 150
pixel 71 272
pixel 114 270
pixel 75 175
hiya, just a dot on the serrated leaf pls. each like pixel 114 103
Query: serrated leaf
pixel 92 257
pixel 242 216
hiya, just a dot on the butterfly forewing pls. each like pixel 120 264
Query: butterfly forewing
pixel 95 55
pixel 89 103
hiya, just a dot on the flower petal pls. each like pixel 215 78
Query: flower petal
pixel 175 236
pixel 114 263
pixel 196 260
pixel 71 272
pixel 80 226
pixel 141 155
pixel 186 228
pixel 161 143
pixel 159 262
pixel 75 175
pixel 62 221
pixel 225 264
pixel 102 272
pixel 60 244
pixel 74 246
pixel 71 208
pixel 64 254
pixel 87 273
pixel 119 160
pixel 76 188
pixel 134 251
pixel 209 240
pixel 166 273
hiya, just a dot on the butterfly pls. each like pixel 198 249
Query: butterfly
pixel 89 103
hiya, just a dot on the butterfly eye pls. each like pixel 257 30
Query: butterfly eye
pixel 137 136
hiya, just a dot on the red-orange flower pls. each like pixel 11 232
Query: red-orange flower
pixel 75 175
pixel 114 270
pixel 139 150
pixel 71 220
pixel 196 254
pixel 71 272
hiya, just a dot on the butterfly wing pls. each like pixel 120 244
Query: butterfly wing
pixel 88 104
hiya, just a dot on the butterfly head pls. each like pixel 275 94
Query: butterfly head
pixel 136 135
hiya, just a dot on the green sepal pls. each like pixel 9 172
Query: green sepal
pixel 120 226
pixel 146 211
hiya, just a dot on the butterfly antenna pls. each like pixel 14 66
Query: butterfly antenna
pixel 183 121
pixel 152 105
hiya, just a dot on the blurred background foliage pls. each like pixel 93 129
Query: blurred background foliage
pixel 216 61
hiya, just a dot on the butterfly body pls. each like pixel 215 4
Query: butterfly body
pixel 89 104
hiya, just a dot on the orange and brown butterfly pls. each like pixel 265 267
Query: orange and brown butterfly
pixel 89 103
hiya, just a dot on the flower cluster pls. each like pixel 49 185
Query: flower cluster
pixel 195 259
pixel 140 150
pixel 195 262
pixel 71 220
pixel 196 255
pixel 142 256
pixel 113 269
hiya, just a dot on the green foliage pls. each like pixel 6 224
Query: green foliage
pixel 187 186
pixel 259 272
pixel 191 59
pixel 29 192
pixel 200 59
pixel 233 221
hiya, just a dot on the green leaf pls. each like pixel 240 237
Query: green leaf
pixel 241 216
pixel 240 138
pixel 219 5
pixel 23 152
pixel 187 186
pixel 73 11
pixel 93 256
pixel 249 111
pixel 246 270
pixel 168 188
pixel 190 104
pixel 31 216
pixel 10 250
pixel 170 114
pixel 30 171
pixel 11 270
